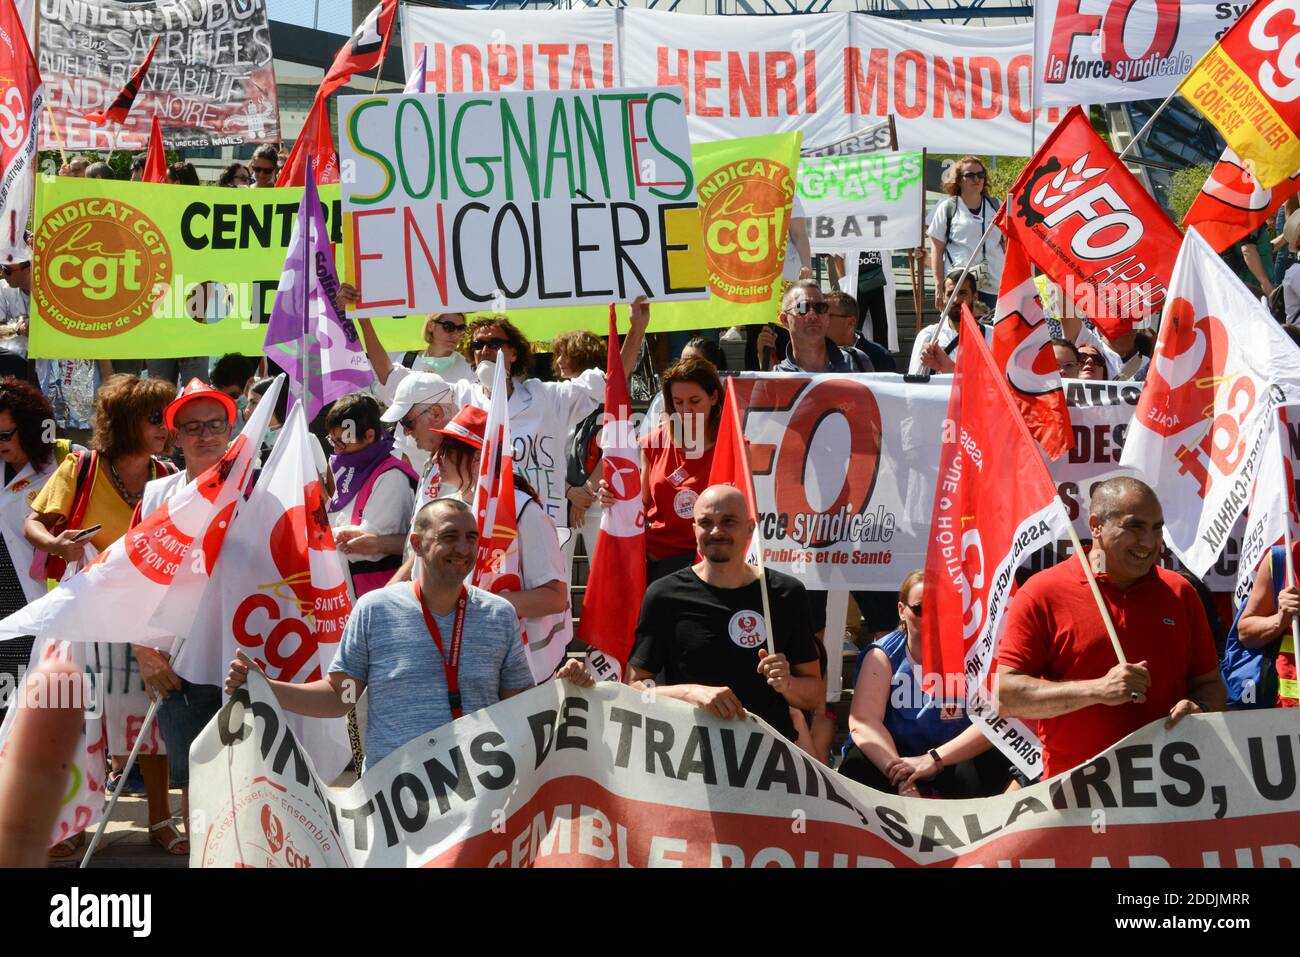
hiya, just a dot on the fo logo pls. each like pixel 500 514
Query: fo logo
pixel 98 267
pixel 743 210
pixel 746 629
pixel 1078 197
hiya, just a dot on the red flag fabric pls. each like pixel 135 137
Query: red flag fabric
pixel 1022 350
pixel 616 582
pixel 1088 223
pixel 117 110
pixel 730 456
pixel 315 141
pixel 1232 203
pixel 994 505
pixel 24 99
pixel 155 158
pixel 364 50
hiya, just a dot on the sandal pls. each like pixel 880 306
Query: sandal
pixel 170 846
pixel 133 788
pixel 66 848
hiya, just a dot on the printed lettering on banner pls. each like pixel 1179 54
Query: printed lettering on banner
pixel 608 777
pixel 862 201
pixel 511 200
pixel 211 82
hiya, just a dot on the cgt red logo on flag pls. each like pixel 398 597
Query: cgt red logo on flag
pixel 157 547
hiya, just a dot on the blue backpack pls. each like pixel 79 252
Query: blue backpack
pixel 1251 673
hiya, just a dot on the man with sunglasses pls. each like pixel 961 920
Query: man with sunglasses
pixel 201 420
pixel 805 313
pixel 265 166
pixel 15 299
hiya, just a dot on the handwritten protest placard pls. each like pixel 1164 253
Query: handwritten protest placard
pixel 862 201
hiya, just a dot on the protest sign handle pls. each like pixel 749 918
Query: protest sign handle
pixel 1096 594
pixel 1286 523
pixel 965 269
pixel 130 763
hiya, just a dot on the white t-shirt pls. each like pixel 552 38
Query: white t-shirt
pixel 403 444
pixel 542 561
pixel 943 333
pixel 1291 293
pixel 388 511
pixel 14 305
pixel 964 238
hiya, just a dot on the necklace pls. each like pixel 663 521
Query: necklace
pixel 131 498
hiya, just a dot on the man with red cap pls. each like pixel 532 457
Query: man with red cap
pixel 201 419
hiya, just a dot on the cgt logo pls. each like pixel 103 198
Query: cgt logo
pixel 99 265
pixel 1056 194
pixel 743 209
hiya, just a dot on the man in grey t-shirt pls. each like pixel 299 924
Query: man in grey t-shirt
pixel 389 648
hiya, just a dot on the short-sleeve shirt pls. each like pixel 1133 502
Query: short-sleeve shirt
pixel 674 481
pixel 965 238
pixel 388 511
pixel 104 507
pixel 387 645
pixel 1054 631
pixel 697 633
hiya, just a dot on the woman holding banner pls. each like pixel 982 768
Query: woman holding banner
pixel 97 492
pixel 902 738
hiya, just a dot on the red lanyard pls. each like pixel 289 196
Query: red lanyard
pixel 450 666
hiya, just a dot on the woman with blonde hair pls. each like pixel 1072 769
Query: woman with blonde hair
pixel 959 231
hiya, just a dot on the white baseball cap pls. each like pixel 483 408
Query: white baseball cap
pixel 418 388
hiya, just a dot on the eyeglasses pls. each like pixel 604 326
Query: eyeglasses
pixel 804 307
pixel 493 343
pixel 409 421
pixel 155 418
pixel 974 174
pixel 914 609
pixel 8 436
pixel 263 170
pixel 446 325
pixel 210 427
pixel 1089 360
pixel 241 178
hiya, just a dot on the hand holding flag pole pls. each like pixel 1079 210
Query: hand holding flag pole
pixel 1286 525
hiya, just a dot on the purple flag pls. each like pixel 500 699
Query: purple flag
pixel 415 82
pixel 316 345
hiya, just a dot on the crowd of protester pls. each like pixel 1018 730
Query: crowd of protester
pixel 400 476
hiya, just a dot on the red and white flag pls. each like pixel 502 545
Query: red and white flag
pixel 1088 223
pixel 616 582
pixel 1221 366
pixel 155 157
pixel 118 110
pixel 1272 513
pixel 171 551
pixel 284 603
pixel 364 50
pixel 1232 203
pixel 1022 349
pixel 315 141
pixel 22 97
pixel 979 535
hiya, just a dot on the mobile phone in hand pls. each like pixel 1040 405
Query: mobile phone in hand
pixel 86 533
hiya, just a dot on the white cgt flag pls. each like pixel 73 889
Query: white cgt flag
pixel 1221 367
pixel 284 602
pixel 115 597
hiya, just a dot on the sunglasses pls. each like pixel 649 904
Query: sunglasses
pixel 493 343
pixel 155 418
pixel 1089 360
pixel 914 609
pixel 446 325
pixel 241 178
pixel 210 427
pixel 980 174
pixel 263 170
pixel 409 421
pixel 8 436
pixel 805 307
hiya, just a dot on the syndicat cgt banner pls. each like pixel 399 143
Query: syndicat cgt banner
pixel 844 472
pixel 960 88
pixel 611 777
pixel 211 82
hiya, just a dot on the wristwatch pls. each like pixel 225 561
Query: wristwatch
pixel 937 760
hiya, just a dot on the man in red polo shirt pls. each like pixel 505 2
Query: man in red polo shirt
pixel 1057 664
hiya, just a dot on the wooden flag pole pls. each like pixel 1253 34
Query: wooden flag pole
pixel 1280 425
pixel 1096 595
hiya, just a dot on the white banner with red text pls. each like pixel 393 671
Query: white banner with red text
pixel 612 777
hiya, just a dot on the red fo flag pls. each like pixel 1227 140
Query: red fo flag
pixel 1232 203
pixel 1022 350
pixel 364 50
pixel 122 103
pixel 1089 224
pixel 980 533
pixel 616 583
pixel 155 158
pixel 315 141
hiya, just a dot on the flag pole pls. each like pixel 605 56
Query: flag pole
pixel 1146 126
pixel 126 768
pixel 751 496
pixel 1096 595
pixel 1280 425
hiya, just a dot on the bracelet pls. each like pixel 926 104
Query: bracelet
pixel 937 760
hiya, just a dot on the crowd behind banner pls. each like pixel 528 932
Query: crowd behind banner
pixel 451 444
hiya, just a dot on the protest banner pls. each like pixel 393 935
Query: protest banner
pixel 124 270
pixel 1247 85
pixel 211 83
pixel 1115 51
pixel 1231 202
pixel 608 777
pixel 862 201
pixel 828 76
pixel 877 138
pixel 512 200
pixel 20 110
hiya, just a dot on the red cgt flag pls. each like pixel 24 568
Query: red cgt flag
pixel 1232 203
pixel 1089 224
pixel 315 141
pixel 980 532
pixel 616 583
pixel 122 103
pixel 1022 350
pixel 155 158
pixel 364 50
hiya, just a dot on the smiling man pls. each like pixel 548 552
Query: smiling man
pixel 1057 664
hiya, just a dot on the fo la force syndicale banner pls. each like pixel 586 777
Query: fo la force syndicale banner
pixel 845 468
pixel 211 81
pixel 611 777
pixel 125 270
pixel 512 200
pixel 955 88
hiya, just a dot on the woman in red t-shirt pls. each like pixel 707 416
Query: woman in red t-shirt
pixel 675 462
